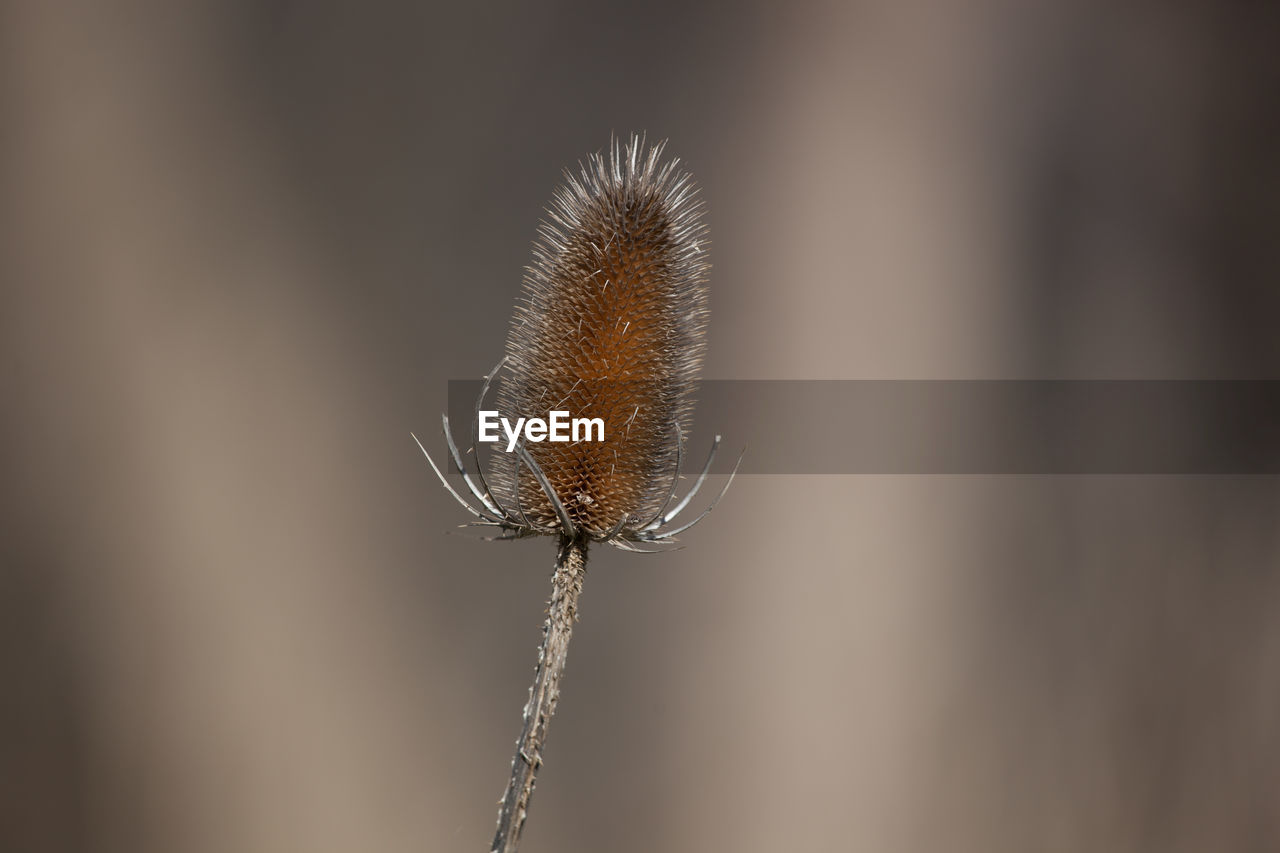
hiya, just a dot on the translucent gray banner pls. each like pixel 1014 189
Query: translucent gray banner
pixel 976 426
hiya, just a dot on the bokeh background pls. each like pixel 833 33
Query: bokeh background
pixel 244 245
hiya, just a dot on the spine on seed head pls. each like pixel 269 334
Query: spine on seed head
pixel 611 325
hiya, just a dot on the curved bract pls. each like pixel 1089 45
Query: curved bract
pixel 514 522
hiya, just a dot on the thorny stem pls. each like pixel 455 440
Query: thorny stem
pixel 566 586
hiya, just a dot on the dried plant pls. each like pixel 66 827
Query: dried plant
pixel 612 325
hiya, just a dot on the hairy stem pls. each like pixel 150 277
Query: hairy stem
pixel 566 586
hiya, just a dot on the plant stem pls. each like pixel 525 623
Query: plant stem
pixel 562 612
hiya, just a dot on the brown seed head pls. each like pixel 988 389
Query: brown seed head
pixel 612 325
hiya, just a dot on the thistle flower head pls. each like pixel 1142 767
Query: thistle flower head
pixel 611 325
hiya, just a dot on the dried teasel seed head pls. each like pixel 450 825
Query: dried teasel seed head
pixel 611 325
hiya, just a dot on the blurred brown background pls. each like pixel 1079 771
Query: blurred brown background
pixel 244 245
